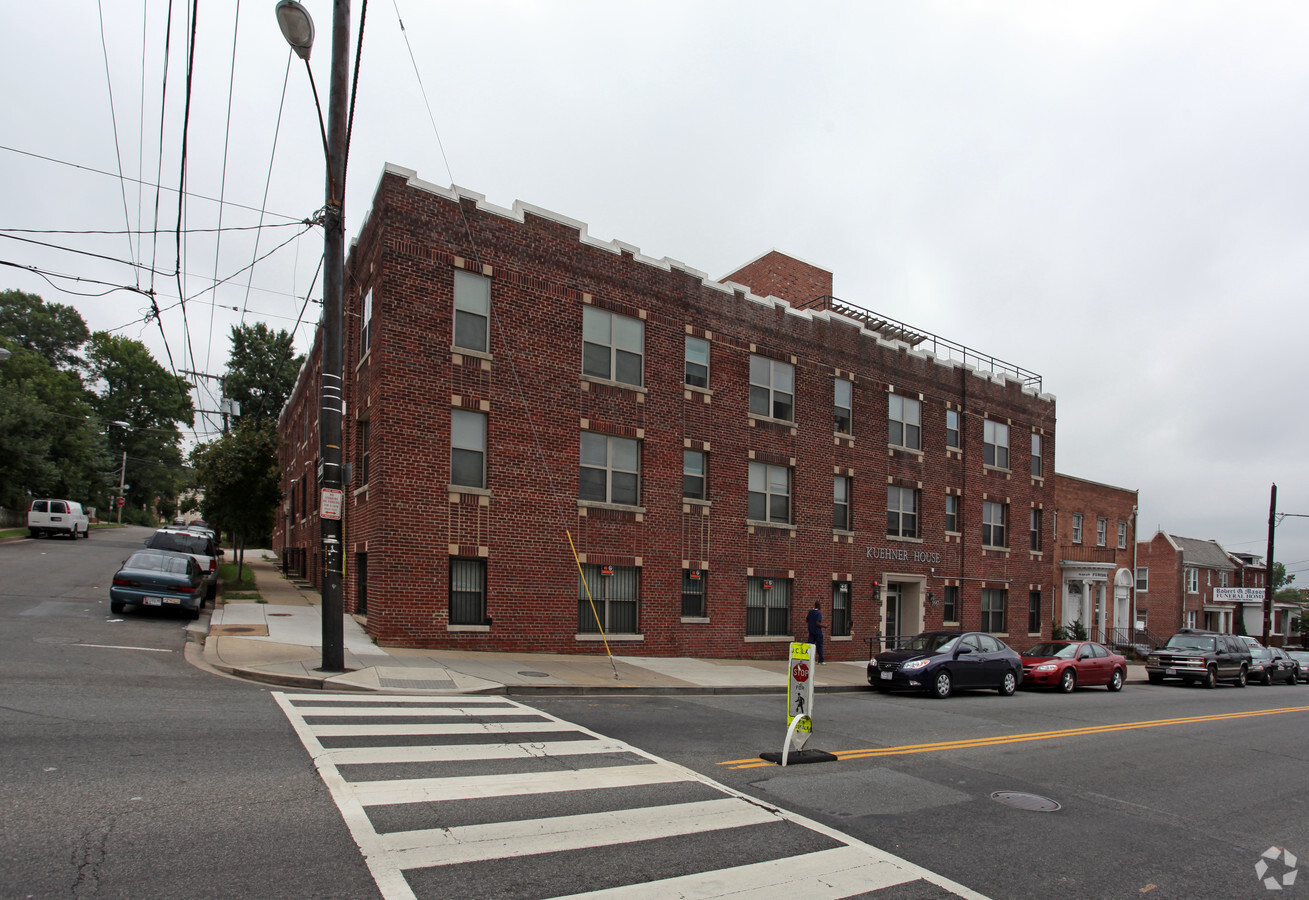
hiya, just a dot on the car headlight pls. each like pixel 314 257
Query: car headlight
pixel 916 664
pixel 1152 660
pixel 1045 667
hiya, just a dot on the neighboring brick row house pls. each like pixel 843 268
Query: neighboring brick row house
pixel 720 454
pixel 1095 535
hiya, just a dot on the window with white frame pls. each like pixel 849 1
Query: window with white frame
pixel 613 346
pixel 952 513
pixel 467 591
pixel 842 408
pixel 1142 578
pixel 1101 531
pixel 767 607
pixel 841 502
pixel 952 429
pixel 697 362
pixel 1222 579
pixel 1192 580
pixel 994 603
pixel 1036 455
pixel 694 481
pixel 472 311
pixel 904 422
pixel 1035 529
pixel 610 469
pixel 995 439
pixel 1122 535
pixel 769 493
pixel 366 325
pixel 1077 528
pixel 467 448
pixel 993 524
pixel 613 600
pixel 772 388
pixel 694 582
pixel 901 511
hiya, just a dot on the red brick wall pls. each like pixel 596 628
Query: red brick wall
pixel 777 275
pixel 1093 501
pixel 542 276
pixel 1165 599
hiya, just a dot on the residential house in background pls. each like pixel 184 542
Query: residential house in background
pixel 1175 581
pixel 1094 558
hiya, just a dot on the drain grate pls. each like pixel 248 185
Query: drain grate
pixel 1029 802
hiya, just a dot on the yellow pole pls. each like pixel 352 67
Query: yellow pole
pixel 591 600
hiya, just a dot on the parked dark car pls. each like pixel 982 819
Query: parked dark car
pixel 203 549
pixel 158 578
pixel 1068 664
pixel 1288 667
pixel 1200 657
pixel 942 662
pixel 1301 657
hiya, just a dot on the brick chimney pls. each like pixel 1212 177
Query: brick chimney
pixel 801 284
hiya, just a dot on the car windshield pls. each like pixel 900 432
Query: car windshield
pixel 159 562
pixel 1298 655
pixel 1060 649
pixel 183 543
pixel 931 642
pixel 1190 642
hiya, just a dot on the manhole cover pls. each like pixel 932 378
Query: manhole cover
pixel 57 640
pixel 1029 802
pixel 236 630
pixel 535 674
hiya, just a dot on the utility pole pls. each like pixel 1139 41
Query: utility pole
pixel 122 480
pixel 1268 582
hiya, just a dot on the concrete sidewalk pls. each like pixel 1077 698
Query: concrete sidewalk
pixel 278 640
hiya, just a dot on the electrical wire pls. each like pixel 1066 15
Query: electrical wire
pixel 268 179
pixel 222 187
pixel 113 118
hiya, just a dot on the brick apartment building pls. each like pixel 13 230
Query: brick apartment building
pixel 1095 535
pixel 1175 581
pixel 719 454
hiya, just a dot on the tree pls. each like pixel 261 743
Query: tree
pixel 261 370
pixel 241 482
pixel 51 330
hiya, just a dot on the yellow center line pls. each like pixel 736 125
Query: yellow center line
pixel 969 743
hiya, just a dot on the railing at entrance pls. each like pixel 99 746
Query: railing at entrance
pixel 879 642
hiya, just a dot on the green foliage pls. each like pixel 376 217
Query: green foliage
pixel 1076 631
pixel 1280 579
pixel 239 476
pixel 50 330
pixel 261 371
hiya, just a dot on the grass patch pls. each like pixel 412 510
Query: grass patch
pixel 12 533
pixel 227 577
pixel 227 595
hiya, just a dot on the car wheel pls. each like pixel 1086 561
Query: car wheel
pixel 116 606
pixel 1210 679
pixel 1068 681
pixel 1116 680
pixel 1267 678
pixel 1156 678
pixel 1244 678
pixel 1290 678
pixel 1009 684
pixel 941 685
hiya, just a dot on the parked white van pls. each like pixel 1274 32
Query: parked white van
pixel 57 517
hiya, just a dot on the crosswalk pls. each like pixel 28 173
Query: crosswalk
pixel 482 797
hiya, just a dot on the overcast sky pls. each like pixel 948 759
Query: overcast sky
pixel 1112 195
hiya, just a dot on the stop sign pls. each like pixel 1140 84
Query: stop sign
pixel 119 502
pixel 801 672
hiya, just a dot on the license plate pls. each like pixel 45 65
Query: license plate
pixel 173 600
pixel 886 676
pixel 152 601
pixel 1170 671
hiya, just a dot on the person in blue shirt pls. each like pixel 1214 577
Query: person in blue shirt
pixel 815 622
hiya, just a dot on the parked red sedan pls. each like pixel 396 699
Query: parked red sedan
pixel 1066 664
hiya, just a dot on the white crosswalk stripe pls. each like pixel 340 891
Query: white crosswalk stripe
pixel 426 803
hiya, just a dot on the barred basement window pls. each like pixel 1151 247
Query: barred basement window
pixel 694 584
pixel 772 388
pixel 841 620
pixel 767 606
pixel 613 599
pixel 613 346
pixel 697 362
pixel 472 311
pixel 467 591
pixel 994 602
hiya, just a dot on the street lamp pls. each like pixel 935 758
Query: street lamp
pixel 4 354
pixel 298 29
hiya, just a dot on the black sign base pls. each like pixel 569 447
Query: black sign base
pixel 796 757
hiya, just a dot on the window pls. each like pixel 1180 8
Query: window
pixel 1101 531
pixel 1036 455
pixel 952 513
pixel 1034 612
pixel 842 405
pixel 611 469
pixel 950 608
pixel 1192 581
pixel 767 606
pixel 361 439
pixel 1035 528
pixel 1122 535
pixel 901 512
pixel 1077 528
pixel 612 606
pixel 612 346
pixel 995 437
pixel 994 601
pixel 841 503
pixel 952 429
pixel 1142 578
pixel 770 493
pixel 1222 579
pixel 366 325
pixel 467 591
pixel 772 388
pixel 472 311
pixel 693 593
pixel 993 524
pixel 468 448
pixel 693 474
pixel 697 362
pixel 841 593
pixel 904 419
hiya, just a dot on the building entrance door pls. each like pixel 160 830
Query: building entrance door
pixel 892 620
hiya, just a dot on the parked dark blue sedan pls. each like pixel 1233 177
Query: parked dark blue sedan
pixel 161 578
pixel 942 662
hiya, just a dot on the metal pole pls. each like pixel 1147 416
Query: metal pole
pixel 122 480
pixel 329 438
pixel 1268 581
